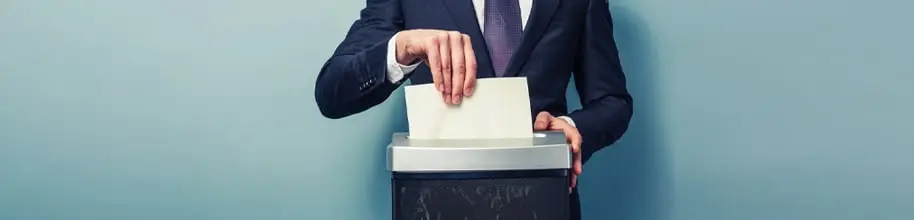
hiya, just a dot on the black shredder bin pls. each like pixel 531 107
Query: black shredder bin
pixel 497 179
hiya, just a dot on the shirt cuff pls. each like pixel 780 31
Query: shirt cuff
pixel 567 119
pixel 396 72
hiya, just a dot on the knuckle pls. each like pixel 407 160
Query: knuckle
pixel 471 65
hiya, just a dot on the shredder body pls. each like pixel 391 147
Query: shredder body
pixel 504 179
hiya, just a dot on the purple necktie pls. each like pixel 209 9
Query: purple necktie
pixel 502 30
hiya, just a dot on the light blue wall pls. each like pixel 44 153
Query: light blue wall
pixel 775 109
pixel 181 110
pixel 198 109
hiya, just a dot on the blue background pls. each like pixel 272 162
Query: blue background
pixel 198 109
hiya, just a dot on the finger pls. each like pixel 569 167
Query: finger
pixel 578 165
pixel 457 62
pixel 543 119
pixel 574 181
pixel 575 140
pixel 445 52
pixel 470 79
pixel 432 54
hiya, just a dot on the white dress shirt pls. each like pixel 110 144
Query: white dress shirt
pixel 396 71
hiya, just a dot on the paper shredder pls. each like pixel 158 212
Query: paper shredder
pixel 482 179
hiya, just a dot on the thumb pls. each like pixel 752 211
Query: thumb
pixel 543 120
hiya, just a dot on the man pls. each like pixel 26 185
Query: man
pixel 451 43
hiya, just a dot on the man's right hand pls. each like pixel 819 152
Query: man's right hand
pixel 449 55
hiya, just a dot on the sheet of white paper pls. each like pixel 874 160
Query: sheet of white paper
pixel 498 108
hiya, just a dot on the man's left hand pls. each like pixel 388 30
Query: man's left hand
pixel 545 121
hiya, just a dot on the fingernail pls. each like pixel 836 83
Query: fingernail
pixel 440 88
pixel 467 92
pixel 456 99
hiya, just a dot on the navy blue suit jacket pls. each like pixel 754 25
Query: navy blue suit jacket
pixel 561 38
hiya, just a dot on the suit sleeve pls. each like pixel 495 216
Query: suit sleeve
pixel 354 79
pixel 606 104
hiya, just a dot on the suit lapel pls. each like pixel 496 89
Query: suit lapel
pixel 540 16
pixel 464 16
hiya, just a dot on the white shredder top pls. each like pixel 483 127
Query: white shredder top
pixel 546 150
